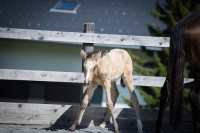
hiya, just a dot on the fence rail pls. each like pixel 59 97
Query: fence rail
pixel 72 77
pixel 51 114
pixel 112 40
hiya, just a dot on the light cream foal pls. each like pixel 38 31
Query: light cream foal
pixel 104 69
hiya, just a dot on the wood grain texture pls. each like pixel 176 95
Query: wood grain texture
pixel 112 40
pixel 22 113
pixel 73 77
pixel 35 75
pixel 50 114
pixel 56 115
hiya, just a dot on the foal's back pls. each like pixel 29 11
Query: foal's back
pixel 115 62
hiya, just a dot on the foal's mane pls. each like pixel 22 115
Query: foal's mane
pixel 96 52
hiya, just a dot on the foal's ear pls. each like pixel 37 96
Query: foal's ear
pixel 83 54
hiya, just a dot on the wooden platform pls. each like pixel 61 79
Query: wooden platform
pixel 53 117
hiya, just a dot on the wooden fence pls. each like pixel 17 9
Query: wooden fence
pixel 20 113
pixel 75 38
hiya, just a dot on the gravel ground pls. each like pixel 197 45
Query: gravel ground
pixel 34 130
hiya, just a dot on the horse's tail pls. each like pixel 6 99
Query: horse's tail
pixel 175 75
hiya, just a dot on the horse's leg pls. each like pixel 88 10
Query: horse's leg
pixel 128 80
pixel 107 87
pixel 195 104
pixel 114 96
pixel 87 97
pixel 163 104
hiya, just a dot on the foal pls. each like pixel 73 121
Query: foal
pixel 104 69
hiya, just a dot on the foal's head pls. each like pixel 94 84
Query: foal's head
pixel 90 64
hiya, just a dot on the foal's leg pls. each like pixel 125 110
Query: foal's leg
pixel 87 97
pixel 107 87
pixel 114 96
pixel 128 80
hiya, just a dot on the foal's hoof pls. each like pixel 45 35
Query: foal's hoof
pixel 139 126
pixel 103 125
pixel 72 128
pixel 117 131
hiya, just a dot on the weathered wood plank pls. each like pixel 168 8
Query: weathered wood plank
pixel 64 115
pixel 149 81
pixel 154 81
pixel 73 77
pixel 50 76
pixel 127 41
pixel 48 114
pixel 22 113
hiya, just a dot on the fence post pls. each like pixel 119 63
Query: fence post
pixel 87 47
pixel 88 28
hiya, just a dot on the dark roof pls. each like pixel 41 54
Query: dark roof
pixel 109 16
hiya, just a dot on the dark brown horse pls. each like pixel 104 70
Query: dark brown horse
pixel 185 45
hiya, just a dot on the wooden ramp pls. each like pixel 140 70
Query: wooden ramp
pixel 52 117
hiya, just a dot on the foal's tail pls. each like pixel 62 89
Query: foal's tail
pixel 175 75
